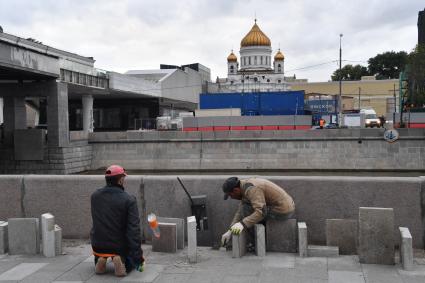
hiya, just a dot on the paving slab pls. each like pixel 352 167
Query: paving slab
pixel 302 239
pixel 260 240
pixel 342 233
pixel 376 235
pixel 4 243
pixel 239 244
pixel 281 236
pixel 406 250
pixel 180 229
pixel 337 276
pixel 176 278
pixel 344 263
pixel 314 267
pixel 82 271
pixel 322 251
pixel 23 236
pixel 21 271
pixel 151 272
pixel 212 266
pixel 381 273
pixel 167 242
pixel 279 260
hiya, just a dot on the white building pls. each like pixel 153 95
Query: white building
pixel 254 71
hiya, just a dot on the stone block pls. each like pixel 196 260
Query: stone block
pixel 281 236
pixel 302 239
pixel 322 251
pixel 58 240
pixel 260 240
pixel 191 239
pixel 239 245
pixel 180 229
pixel 406 250
pixel 48 234
pixel 167 242
pixel 376 235
pixel 3 237
pixel 23 236
pixel 342 233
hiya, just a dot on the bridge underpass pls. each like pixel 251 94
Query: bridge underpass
pixel 55 87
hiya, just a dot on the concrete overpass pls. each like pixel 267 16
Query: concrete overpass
pixel 43 77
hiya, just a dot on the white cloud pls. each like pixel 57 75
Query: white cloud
pixel 136 34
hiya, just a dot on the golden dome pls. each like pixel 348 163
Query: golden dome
pixel 279 56
pixel 255 37
pixel 232 57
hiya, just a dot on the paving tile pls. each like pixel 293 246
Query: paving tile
pixel 418 270
pixel 206 276
pixel 345 263
pixel 345 276
pixel 21 271
pixel 149 275
pixel 240 279
pixel 81 272
pixel 375 273
pixel 175 278
pixel 275 260
pixel 312 267
pixel 287 275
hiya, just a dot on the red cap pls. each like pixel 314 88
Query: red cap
pixel 115 170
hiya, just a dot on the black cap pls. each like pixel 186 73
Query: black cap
pixel 229 185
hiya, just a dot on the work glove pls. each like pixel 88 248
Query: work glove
pixel 141 266
pixel 226 238
pixel 236 228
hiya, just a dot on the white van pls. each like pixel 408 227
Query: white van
pixel 371 120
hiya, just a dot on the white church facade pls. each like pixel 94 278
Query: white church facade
pixel 256 70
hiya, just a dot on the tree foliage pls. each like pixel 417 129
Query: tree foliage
pixel 350 73
pixel 387 65
pixel 416 77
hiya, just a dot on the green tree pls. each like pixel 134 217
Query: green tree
pixel 416 77
pixel 350 73
pixel 387 65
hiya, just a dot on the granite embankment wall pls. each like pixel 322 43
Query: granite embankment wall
pixel 316 198
pixel 331 149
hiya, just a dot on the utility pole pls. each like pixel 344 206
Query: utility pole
pixel 395 105
pixel 340 83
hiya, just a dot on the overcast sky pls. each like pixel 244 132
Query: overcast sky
pixel 138 34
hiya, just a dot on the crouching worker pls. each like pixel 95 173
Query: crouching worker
pixel 260 200
pixel 116 226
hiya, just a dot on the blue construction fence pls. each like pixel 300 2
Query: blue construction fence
pixel 256 103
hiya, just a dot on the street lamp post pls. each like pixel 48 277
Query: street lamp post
pixel 340 83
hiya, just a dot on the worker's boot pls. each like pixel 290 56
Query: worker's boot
pixel 119 266
pixel 100 267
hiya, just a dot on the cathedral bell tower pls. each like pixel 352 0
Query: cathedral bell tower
pixel 278 63
pixel 232 64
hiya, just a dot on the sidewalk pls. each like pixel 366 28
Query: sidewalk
pixel 77 265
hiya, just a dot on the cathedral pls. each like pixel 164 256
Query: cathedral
pixel 254 72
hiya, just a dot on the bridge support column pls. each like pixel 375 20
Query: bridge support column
pixel 1 110
pixel 88 113
pixel 57 115
pixel 15 117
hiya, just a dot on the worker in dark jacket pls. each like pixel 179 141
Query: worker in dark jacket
pixel 116 226
pixel 260 200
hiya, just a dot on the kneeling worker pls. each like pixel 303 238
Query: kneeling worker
pixel 116 226
pixel 260 200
